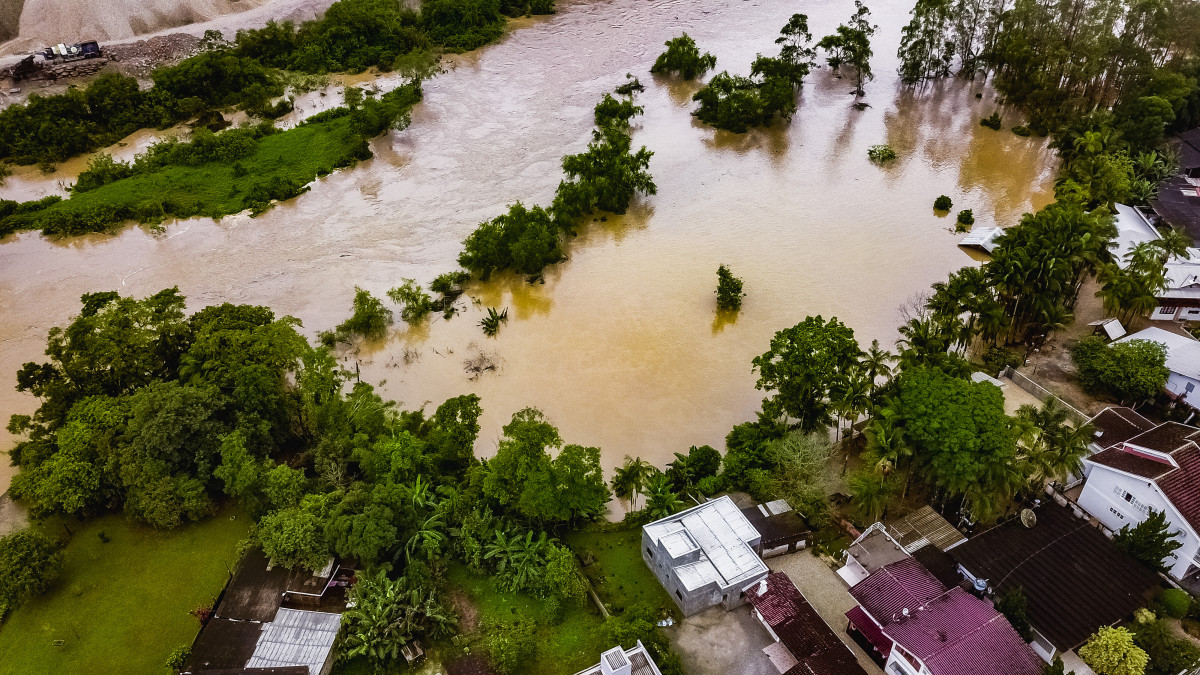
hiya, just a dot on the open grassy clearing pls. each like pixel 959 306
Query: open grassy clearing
pixel 619 575
pixel 122 606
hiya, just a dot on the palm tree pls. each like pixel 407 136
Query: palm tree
pixel 1174 243
pixel 887 441
pixel 877 363
pixel 660 500
pixel 629 480
pixel 870 493
pixel 1054 318
pixel 853 397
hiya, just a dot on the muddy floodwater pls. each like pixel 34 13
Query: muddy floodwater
pixel 620 346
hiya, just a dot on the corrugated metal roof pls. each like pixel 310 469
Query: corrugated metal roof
pixel 923 527
pixel 901 585
pixel 639 661
pixel 722 533
pixel 296 638
pixel 982 237
pixel 679 543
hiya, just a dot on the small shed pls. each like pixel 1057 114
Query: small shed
pixel 298 638
pixel 982 238
pixel 1109 328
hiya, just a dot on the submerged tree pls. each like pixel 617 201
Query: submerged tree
pixel 851 45
pixel 729 290
pixel 683 58
pixel 925 50
pixel 803 368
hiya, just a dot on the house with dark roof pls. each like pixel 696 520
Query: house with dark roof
pixel 1143 467
pixel 918 626
pixel 1074 578
pixel 804 643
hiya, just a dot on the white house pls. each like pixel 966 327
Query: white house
pixel 1183 360
pixel 1159 469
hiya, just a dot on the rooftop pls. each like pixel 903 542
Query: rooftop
pixel 924 527
pixel 812 643
pixel 875 549
pixel 639 661
pixel 721 533
pixel 777 523
pixel 1073 576
pixel 982 238
pixel 1183 353
pixel 257 590
pixel 1178 477
pixel 1117 425
pixel 1132 229
pixel 296 638
pixel 951 631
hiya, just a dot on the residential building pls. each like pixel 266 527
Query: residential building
pixel 1073 577
pixel 918 626
pixel 781 529
pixel 704 556
pixel 804 643
pixel 1155 468
pixel 297 637
pixel 923 534
pixel 1183 362
pixel 617 661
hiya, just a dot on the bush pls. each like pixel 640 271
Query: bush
pixel 729 290
pixel 711 485
pixel 178 659
pixel 881 153
pixel 1021 130
pixel 998 358
pixel 29 563
pixel 610 111
pixel 523 240
pixel 992 121
pixel 1015 607
pixel 1168 654
pixel 370 318
pixel 510 645
pixel 416 303
pixel 966 217
pixel 943 203
pixel 735 103
pixel 1133 371
pixel 683 58
pixel 606 177
pixel 1176 602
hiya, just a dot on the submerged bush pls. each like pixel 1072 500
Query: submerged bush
pixel 992 121
pixel 965 217
pixel 370 319
pixel 729 290
pixel 881 153
pixel 1021 130
pixel 524 240
pixel 683 58
pixel 942 203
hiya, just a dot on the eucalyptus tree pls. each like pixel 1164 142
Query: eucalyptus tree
pixel 925 48
pixel 850 45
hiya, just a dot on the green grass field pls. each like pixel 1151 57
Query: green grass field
pixel 568 647
pixel 122 607
pixel 619 574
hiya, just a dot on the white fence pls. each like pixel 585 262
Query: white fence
pixel 1043 394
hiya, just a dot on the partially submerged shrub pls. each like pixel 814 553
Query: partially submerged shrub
pixel 1021 130
pixel 965 217
pixel 991 121
pixel 942 203
pixel 881 153
pixel 729 290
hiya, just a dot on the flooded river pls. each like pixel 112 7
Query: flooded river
pixel 620 347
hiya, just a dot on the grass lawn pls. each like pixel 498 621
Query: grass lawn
pixel 619 575
pixel 122 607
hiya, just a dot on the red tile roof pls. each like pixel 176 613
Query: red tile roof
pixel 871 630
pixel 817 649
pixel 1117 425
pixel 891 589
pixel 951 631
pixel 1181 485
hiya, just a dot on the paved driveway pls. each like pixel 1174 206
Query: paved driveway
pixel 717 642
pixel 827 593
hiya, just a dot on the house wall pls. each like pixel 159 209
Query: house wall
pixel 898 665
pixel 696 600
pixel 1103 498
pixel 1178 384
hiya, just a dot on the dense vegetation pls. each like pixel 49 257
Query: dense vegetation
pixel 217 174
pixel 606 177
pixel 736 103
pixel 163 415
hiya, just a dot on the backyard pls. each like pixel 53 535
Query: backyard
pixel 617 571
pixel 122 605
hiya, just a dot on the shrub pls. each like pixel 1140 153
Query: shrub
pixel 1176 602
pixel 1111 651
pixel 610 111
pixel 631 85
pixel 943 203
pixel 450 283
pixel 523 240
pixel 966 217
pixel 729 290
pixel 992 121
pixel 178 659
pixel 997 358
pixel 683 58
pixel 29 563
pixel 1021 130
pixel 735 103
pixel 370 318
pixel 1133 371
pixel 1168 654
pixel 881 153
pixel 510 645
pixel 416 303
pixel 1015 607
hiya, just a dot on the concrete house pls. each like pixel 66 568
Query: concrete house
pixel 1158 467
pixel 704 556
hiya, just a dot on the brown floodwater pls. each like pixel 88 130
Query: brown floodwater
pixel 620 347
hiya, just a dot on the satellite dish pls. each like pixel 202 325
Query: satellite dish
pixel 1028 518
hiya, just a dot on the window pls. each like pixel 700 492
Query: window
pixel 649 552
pixel 1128 497
pixel 679 594
pixel 1189 387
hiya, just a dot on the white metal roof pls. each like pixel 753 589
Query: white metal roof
pixel 296 638
pixel 722 534
pixel 1132 229
pixel 1183 353
pixel 982 237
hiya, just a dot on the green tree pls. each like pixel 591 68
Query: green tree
pixel 803 366
pixel 510 645
pixel 415 302
pixel 1150 541
pixel 1013 604
pixel 851 45
pixel 294 537
pixel 370 319
pixel 683 58
pixel 630 479
pixel 729 290
pixel 29 563
pixel 1134 371
pixel 606 177
pixel 871 490
pixel 661 501
pixel 524 240
pixel 1111 651
pixel 1053 448
pixel 388 613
